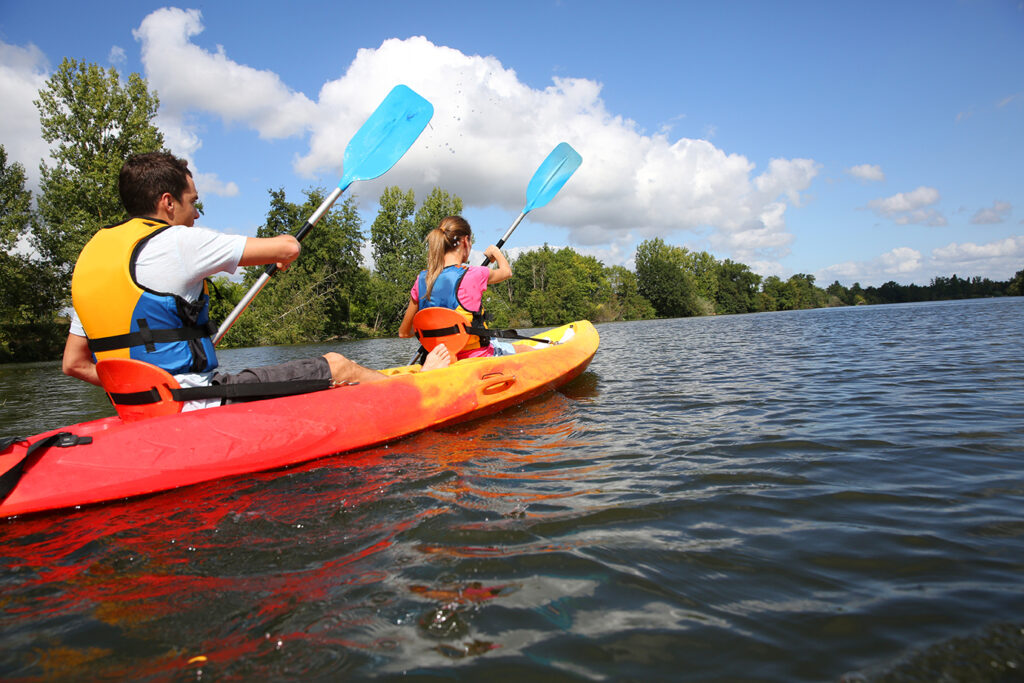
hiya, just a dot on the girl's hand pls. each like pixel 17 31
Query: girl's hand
pixel 492 252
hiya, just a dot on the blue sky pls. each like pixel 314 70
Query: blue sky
pixel 858 141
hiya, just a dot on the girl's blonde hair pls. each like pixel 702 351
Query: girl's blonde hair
pixel 441 240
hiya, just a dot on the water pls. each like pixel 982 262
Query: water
pixel 806 496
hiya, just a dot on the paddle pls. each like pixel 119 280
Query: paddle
pixel 545 183
pixel 372 151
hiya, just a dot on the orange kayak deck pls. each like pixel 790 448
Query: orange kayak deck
pixel 166 452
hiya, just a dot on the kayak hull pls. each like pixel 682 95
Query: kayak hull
pixel 170 451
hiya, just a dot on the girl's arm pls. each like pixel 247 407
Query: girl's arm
pixel 503 271
pixel 405 329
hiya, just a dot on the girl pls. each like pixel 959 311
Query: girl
pixel 448 283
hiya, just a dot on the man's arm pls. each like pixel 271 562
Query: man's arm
pixel 280 249
pixel 77 360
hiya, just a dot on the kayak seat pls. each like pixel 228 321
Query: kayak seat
pixel 138 390
pixel 438 325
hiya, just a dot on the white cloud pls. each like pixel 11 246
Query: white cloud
pixel 489 133
pixel 211 184
pixel 117 56
pixel 189 78
pixel 998 213
pixel 1006 101
pixel 901 264
pixel 22 74
pixel 867 173
pixel 910 208
pixel 997 260
pixel 900 260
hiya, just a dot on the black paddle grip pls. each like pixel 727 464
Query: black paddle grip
pixel 300 235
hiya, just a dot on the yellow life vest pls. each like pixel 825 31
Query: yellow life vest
pixel 123 319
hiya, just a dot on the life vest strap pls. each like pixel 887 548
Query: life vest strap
pixel 148 337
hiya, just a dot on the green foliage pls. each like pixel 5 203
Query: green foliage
pixel 15 203
pixel 1016 285
pixel 312 300
pixel 704 268
pixel 399 254
pixel 550 287
pixel 737 288
pixel 664 278
pixel 438 205
pixel 398 248
pixel 93 122
pixel 224 296
pixel 28 290
pixel 627 301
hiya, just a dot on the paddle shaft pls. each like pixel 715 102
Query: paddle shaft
pixel 508 233
pixel 272 268
pixel 547 180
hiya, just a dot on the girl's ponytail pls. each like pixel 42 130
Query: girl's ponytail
pixel 441 240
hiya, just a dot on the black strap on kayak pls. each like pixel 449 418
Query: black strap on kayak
pixel 239 392
pixel 421 355
pixel 13 475
pixel 480 332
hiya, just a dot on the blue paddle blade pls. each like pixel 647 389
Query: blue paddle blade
pixel 386 136
pixel 552 174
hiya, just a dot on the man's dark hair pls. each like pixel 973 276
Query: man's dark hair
pixel 145 177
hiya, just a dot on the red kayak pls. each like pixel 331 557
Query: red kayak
pixel 109 459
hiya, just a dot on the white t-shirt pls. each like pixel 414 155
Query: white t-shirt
pixel 176 261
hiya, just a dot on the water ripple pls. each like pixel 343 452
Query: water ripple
pixel 809 495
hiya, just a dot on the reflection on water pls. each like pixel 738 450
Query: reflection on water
pixel 794 496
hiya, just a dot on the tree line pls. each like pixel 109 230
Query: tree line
pixel 94 120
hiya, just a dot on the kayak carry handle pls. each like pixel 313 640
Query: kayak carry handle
pixel 496 382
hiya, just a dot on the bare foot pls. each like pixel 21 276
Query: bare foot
pixel 437 359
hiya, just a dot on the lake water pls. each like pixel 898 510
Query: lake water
pixel 804 496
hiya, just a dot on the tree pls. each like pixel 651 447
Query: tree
pixel 28 297
pixel 838 294
pixel 630 304
pixel 704 268
pixel 775 295
pixel 664 280
pixel 1015 287
pixel 398 248
pixel 438 205
pixel 805 294
pixel 856 295
pixel 15 203
pixel 311 301
pixel 330 252
pixel 737 288
pixel 93 122
pixel 399 254
pixel 550 287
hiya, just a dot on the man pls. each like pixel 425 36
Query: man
pixel 139 288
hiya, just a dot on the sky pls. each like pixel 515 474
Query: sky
pixel 855 141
